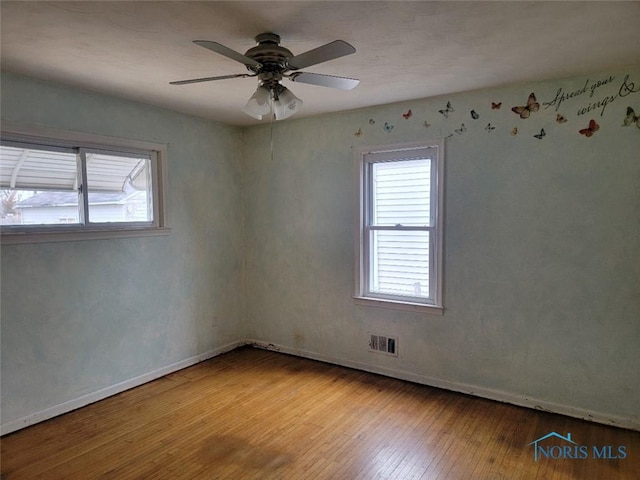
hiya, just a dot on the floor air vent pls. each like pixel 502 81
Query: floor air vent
pixel 383 344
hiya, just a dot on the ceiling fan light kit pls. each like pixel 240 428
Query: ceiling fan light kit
pixel 280 102
pixel 271 62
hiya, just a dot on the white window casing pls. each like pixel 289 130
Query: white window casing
pixel 399 234
pixel 78 186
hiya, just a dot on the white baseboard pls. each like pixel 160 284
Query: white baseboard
pixel 68 406
pixel 483 392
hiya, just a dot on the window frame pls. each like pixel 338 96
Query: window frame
pixel 364 203
pixel 44 137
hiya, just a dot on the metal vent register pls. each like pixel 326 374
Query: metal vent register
pixel 383 344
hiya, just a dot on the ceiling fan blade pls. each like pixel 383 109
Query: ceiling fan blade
pixel 227 52
pixel 335 49
pixel 209 79
pixel 342 83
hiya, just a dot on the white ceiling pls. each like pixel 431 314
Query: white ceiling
pixel 405 49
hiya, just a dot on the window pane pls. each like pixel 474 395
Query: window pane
pixel 400 193
pixel 119 188
pixel 31 207
pixel 38 186
pixel 399 263
pixel 37 169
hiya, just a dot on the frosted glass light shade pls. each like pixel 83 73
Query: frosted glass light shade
pixel 262 103
pixel 286 105
pixel 259 104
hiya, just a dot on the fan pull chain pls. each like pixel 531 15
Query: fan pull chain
pixel 271 130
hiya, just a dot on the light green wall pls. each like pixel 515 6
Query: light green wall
pixel 78 317
pixel 542 241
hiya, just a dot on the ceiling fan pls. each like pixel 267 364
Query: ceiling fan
pixel 271 62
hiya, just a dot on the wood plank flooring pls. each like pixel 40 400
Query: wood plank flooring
pixel 254 414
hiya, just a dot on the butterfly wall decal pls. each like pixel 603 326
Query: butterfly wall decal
pixel 387 127
pixel 372 121
pixel 408 114
pixel 496 106
pixel 426 124
pixel 461 130
pixel 541 135
pixel 474 115
pixel 525 110
pixel 561 118
pixel 591 129
pixel 631 118
pixel 358 132
pixel 489 128
pixel 448 109
pixel 514 131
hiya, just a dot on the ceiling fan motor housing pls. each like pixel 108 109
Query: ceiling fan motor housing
pixel 271 55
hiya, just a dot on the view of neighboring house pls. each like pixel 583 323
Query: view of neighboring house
pixel 62 207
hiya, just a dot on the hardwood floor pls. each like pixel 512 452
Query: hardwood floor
pixel 254 414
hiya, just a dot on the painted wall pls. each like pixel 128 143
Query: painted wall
pixel 541 262
pixel 78 317
pixel 542 243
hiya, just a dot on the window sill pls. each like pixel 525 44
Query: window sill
pixel 397 305
pixel 14 238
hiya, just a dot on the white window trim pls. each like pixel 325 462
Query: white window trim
pixel 360 298
pixel 59 233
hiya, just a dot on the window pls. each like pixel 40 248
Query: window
pixel 399 240
pixel 71 186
